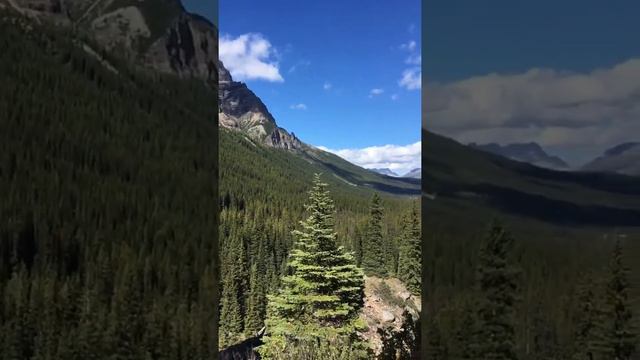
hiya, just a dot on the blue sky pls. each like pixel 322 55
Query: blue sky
pixel 339 74
pixel 565 74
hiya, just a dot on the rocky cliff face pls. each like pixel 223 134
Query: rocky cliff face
pixel 156 34
pixel 241 109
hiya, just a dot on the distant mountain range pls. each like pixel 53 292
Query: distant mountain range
pixel 531 153
pixel 385 171
pixel 623 159
pixel 489 183
pixel 413 174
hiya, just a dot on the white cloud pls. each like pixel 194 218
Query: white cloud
pixel 410 46
pixel 414 59
pixel 375 92
pixel 411 79
pixel 399 158
pixel 411 28
pixel 298 107
pixel 553 108
pixel 327 86
pixel 250 57
pixel 394 97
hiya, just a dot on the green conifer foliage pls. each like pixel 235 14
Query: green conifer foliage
pixel 322 292
pixel 587 328
pixel 373 255
pixel 497 284
pixel 410 264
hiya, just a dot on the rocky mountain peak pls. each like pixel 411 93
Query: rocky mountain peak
pixel 241 109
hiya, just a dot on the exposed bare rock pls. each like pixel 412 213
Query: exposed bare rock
pixel 121 28
pixel 387 316
pixel 189 48
pixel 385 302
pixel 241 109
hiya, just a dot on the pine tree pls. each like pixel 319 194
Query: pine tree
pixel 587 329
pixel 373 256
pixel 232 309
pixel 497 286
pixel 620 335
pixel 256 301
pixel 322 293
pixel 410 263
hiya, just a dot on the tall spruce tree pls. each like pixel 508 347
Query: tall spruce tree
pixel 410 263
pixel 620 336
pixel 322 292
pixel 497 285
pixel 255 303
pixel 373 255
pixel 233 289
pixel 587 328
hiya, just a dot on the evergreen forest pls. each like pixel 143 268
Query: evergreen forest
pixel 264 196
pixel 527 263
pixel 108 225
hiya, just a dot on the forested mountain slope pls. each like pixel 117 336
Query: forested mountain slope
pixel 262 193
pixel 564 226
pixel 107 233
pixel 461 173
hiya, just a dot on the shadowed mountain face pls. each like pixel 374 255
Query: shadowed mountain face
pixel 623 159
pixel 531 153
pixel 466 175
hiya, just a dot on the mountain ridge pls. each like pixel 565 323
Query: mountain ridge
pixel 384 171
pixel 530 152
pixel 623 159
pixel 464 174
